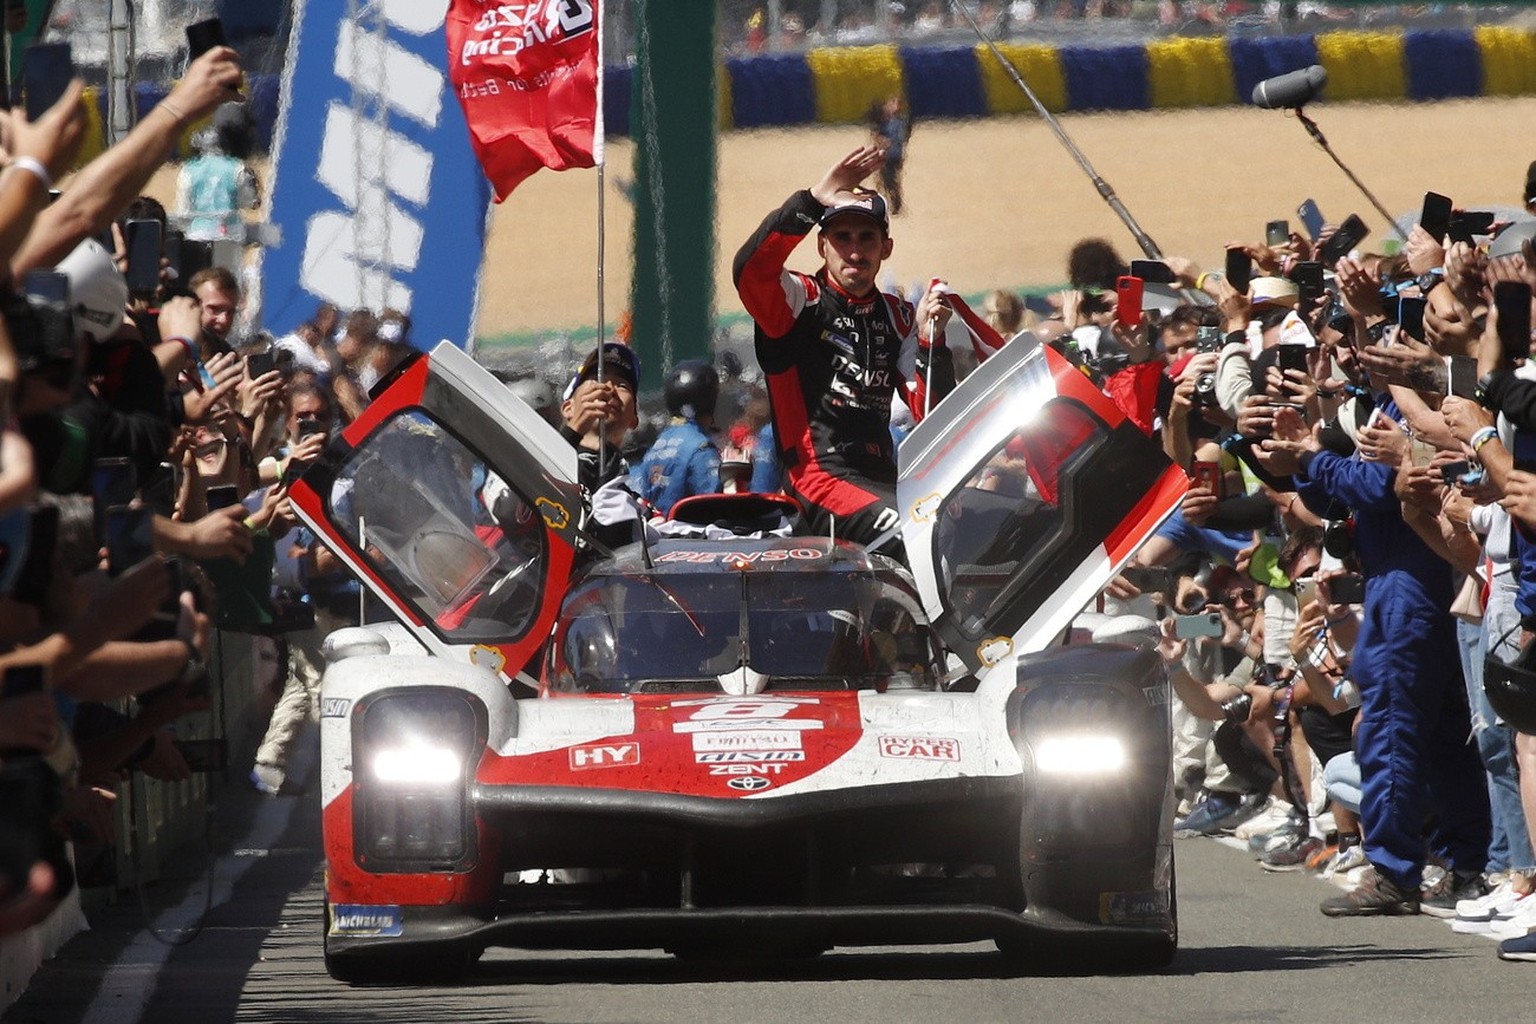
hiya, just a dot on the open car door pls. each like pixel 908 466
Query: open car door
pixel 457 505
pixel 1022 494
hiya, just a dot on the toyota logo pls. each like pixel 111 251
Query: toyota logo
pixel 749 783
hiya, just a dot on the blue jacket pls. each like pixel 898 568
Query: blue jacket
pixel 682 462
pixel 767 478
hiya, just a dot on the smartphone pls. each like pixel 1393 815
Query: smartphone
pixel 1452 472
pixel 47 285
pixel 144 240
pixel 203 36
pixel 113 484
pixel 1461 376
pixel 159 491
pixel 1291 357
pixel 1350 234
pixel 130 537
pixel 1306 591
pixel 1311 218
pixel 1204 624
pixel 1308 275
pixel 1347 589
pixel 1153 271
pixel 1435 217
pixel 1128 291
pixel 1468 223
pixel 1410 316
pixel 260 363
pixel 21 680
pixel 193 257
pixel 46 71
pixel 1512 299
pixel 222 496
pixel 1277 232
pixel 36 572
pixel 204 755
pixel 1208 475
pixel 1149 579
pixel 1239 270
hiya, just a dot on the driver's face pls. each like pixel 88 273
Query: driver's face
pixel 853 247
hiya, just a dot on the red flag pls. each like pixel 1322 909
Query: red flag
pixel 528 75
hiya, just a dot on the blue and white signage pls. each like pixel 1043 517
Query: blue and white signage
pixel 376 191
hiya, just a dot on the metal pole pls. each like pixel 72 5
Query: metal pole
pixel 1317 135
pixel 1144 240
pixel 119 61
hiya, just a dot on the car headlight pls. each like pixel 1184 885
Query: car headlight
pixel 415 752
pixel 1080 755
pixel 418 765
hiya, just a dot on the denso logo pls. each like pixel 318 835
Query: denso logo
pixel 711 557
pixel 604 755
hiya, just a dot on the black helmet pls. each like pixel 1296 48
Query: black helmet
pixel 692 388
pixel 1511 689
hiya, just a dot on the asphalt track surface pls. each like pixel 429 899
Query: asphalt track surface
pixel 1254 947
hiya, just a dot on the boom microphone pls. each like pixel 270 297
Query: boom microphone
pixel 1292 89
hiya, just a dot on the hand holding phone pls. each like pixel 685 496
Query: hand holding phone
pixel 259 364
pixel 1153 271
pixel 1277 233
pixel 1512 302
pixel 1311 219
pixel 144 239
pixel 1204 624
pixel 203 36
pixel 1239 270
pixel 1435 217
pixel 1128 292
pixel 1343 241
pixel 1207 474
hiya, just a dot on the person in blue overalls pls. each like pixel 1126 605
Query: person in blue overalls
pixel 1411 741
pixel 684 460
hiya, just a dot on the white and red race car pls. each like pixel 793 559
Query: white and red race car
pixel 742 738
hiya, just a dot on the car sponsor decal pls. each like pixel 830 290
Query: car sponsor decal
pixel 335 707
pixel 1125 907
pixel 920 748
pixel 749 783
pixel 749 756
pixel 923 509
pixel 744 739
pixel 362 920
pixel 604 755
pixel 760 716
pixel 734 557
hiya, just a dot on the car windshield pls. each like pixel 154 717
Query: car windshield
pixel 645 633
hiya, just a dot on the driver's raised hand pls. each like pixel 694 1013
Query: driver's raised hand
pixel 846 173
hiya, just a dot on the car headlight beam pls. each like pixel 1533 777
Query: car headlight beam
pixel 417 765
pixel 1080 754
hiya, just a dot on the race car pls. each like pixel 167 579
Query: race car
pixel 730 736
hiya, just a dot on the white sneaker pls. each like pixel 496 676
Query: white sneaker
pixel 1352 858
pixel 1273 815
pixel 1521 921
pixel 1486 908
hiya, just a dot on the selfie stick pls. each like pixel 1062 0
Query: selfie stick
pixel 1317 136
pixel 1148 247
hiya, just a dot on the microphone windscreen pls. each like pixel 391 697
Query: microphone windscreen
pixel 1292 89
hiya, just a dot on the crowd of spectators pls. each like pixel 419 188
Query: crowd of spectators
pixel 147 450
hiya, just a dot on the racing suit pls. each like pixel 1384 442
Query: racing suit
pixel 832 361
pixel 1411 741
pixel 682 462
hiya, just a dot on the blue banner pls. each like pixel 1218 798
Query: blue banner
pixel 375 189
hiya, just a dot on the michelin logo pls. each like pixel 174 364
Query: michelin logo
pixel 359 920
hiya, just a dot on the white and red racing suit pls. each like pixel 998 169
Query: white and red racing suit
pixel 832 362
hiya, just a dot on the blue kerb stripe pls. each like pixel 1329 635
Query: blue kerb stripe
pixel 943 82
pixel 1105 78
pixel 768 90
pixel 1442 64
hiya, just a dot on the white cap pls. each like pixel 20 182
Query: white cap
pixel 98 293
